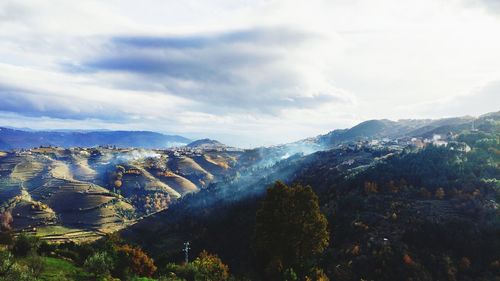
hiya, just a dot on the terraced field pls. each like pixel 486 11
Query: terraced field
pixel 81 169
pixel 191 169
pixel 81 194
pixel 39 191
pixel 178 183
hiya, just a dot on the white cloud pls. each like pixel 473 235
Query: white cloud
pixel 292 69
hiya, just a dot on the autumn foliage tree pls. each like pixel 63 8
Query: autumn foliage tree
pixel 5 227
pixel 371 187
pixel 211 267
pixel 136 260
pixel 440 193
pixel 6 221
pixel 290 230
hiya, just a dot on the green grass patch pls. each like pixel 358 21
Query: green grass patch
pixel 58 269
pixel 53 230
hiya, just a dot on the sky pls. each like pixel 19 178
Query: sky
pixel 245 72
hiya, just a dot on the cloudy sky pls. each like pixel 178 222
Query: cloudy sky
pixel 245 72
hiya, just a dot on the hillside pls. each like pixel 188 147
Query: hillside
pixel 380 129
pixel 400 197
pixel 396 211
pixel 206 144
pixel 83 193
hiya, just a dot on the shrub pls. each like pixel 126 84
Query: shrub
pixel 68 254
pixel 11 270
pixel 6 238
pixel 317 274
pixel 206 267
pixel 408 260
pixel 25 245
pixel 99 264
pixel 46 248
pixel 180 272
pixel 290 275
pixel 36 264
pixel 440 193
pixel 464 263
pixel 211 267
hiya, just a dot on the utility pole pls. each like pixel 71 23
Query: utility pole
pixel 186 251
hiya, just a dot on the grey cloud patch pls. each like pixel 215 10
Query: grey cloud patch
pixel 491 6
pixel 256 36
pixel 197 57
pixel 33 103
pixel 254 70
pixel 11 12
pixel 196 65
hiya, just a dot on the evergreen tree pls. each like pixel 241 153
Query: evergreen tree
pixel 290 230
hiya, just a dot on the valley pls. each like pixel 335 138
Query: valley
pixel 387 190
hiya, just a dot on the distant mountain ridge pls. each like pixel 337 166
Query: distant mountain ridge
pixel 384 128
pixel 16 139
pixel 13 138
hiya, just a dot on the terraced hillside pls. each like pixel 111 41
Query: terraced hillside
pixel 82 193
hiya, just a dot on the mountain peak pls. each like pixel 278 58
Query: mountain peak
pixel 206 144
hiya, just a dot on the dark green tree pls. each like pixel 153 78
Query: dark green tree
pixel 25 245
pixel 290 230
